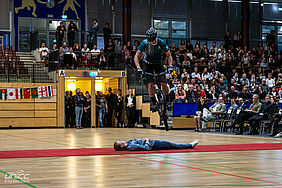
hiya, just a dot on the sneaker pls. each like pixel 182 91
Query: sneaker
pixel 194 143
pixel 154 108
pixel 278 135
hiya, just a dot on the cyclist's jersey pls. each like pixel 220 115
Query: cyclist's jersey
pixel 153 52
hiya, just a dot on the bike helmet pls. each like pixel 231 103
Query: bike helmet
pixel 151 34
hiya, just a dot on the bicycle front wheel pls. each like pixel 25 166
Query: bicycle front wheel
pixel 161 100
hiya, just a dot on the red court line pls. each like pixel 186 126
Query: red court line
pixel 111 151
pixel 222 173
pixel 28 138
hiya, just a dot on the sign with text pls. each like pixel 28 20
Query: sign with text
pixel 93 73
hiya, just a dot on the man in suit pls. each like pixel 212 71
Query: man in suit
pixel 217 108
pixel 248 113
pixel 240 109
pixel 267 109
pixel 118 108
pixel 111 104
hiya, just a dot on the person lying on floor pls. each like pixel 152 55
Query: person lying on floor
pixel 147 144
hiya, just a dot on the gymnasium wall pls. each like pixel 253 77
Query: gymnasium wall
pixel 39 112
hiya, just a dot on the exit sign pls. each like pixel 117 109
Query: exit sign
pixel 93 73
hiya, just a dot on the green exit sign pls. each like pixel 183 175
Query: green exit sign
pixel 93 73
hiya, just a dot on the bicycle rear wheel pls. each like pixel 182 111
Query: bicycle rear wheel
pixel 161 101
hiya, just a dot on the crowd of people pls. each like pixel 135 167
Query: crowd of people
pixel 223 72
pixel 109 109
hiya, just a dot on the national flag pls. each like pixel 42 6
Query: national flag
pixel 34 92
pixel 26 93
pixel 19 93
pixel 11 93
pixel 42 92
pixel 49 91
pixel 3 94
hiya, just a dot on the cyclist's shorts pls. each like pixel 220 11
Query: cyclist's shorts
pixel 150 68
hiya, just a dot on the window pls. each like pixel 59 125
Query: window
pixel 266 29
pixel 172 30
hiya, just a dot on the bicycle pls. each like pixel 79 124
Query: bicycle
pixel 160 98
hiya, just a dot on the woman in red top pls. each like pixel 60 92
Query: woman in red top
pixel 200 92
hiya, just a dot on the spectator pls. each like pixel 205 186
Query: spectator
pixel 241 108
pixel 195 75
pixel 275 119
pixel 87 110
pixel 85 52
pixel 217 108
pixel 222 88
pixel 92 37
pixel 130 102
pixel 119 108
pixel 95 52
pixel 102 59
pixel 44 51
pixel 245 79
pixel 200 92
pixel 253 110
pixel 214 47
pixel 232 93
pixel 68 109
pixel 197 120
pixel 118 48
pixel 265 111
pixel 110 97
pixel 102 107
pixel 270 38
pixel 79 103
pixel 205 74
pixel 72 29
pixel 232 110
pixel 237 39
pixel 227 40
pixel 212 94
pixel 245 93
pixel 180 95
pixel 172 90
pixel 65 49
pixel 107 33
pixel 191 94
pixel 60 34
pixel 264 86
pixel 270 81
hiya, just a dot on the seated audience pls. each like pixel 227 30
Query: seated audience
pixel 208 114
pixel 201 105
pixel 180 95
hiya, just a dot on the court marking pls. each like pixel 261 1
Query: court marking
pixel 251 155
pixel 15 178
pixel 194 168
pixel 40 140
pixel 199 162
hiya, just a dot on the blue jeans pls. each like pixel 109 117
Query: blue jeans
pixel 78 115
pixel 165 145
pixel 101 116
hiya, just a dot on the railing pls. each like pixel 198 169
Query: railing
pixel 18 71
pixel 85 60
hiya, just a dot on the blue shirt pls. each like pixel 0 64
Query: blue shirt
pixel 139 144
pixel 153 52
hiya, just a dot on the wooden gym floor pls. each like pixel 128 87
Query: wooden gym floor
pixel 259 168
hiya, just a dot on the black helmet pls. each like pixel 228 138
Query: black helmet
pixel 151 34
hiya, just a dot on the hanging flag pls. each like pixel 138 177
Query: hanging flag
pixel 3 94
pixel 40 94
pixel 11 93
pixel 19 93
pixel 26 93
pixel 34 92
pixel 49 91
